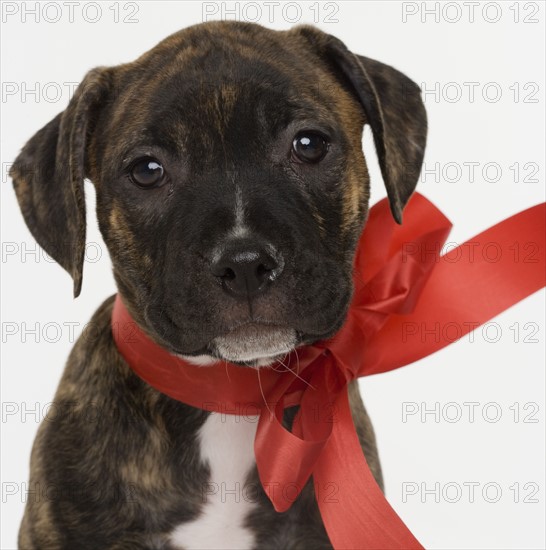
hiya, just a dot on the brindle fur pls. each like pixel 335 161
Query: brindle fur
pixel 219 104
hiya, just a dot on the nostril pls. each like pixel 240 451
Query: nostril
pixel 229 274
pixel 262 271
pixel 223 271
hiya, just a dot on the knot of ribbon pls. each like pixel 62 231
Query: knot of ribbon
pixel 401 281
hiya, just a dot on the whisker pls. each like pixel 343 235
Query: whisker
pixel 262 392
pixel 296 374
pixel 227 371
pixel 279 361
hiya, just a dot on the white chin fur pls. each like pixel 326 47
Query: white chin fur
pixel 258 344
pixel 254 342
pixel 260 360
pixel 200 360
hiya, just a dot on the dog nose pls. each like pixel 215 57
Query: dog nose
pixel 247 268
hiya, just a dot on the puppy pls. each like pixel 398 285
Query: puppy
pixel 231 190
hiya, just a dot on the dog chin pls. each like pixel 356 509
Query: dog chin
pixel 250 345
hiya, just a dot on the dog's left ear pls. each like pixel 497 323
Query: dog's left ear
pixel 48 176
pixel 394 109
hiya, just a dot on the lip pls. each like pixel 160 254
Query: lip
pixel 255 340
pixel 243 332
pixel 167 326
pixel 251 327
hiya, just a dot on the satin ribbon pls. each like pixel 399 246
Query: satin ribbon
pixel 403 287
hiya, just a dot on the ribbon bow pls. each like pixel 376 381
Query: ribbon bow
pixel 401 282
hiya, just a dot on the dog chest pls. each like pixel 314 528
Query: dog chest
pixel 227 447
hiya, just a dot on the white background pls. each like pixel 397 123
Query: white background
pixel 441 50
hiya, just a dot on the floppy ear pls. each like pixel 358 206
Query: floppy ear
pixel 394 109
pixel 49 172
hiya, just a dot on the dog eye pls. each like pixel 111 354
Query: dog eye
pixel 146 172
pixel 309 147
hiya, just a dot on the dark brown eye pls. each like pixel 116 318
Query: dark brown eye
pixel 147 172
pixel 309 147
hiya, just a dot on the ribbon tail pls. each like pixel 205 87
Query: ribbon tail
pixel 354 510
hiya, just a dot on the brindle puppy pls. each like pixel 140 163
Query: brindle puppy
pixel 231 191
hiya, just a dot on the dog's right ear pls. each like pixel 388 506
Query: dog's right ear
pixel 48 176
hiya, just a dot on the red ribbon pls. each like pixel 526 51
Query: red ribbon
pixel 402 286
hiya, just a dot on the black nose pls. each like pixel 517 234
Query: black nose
pixel 246 268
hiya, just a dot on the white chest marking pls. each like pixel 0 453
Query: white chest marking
pixel 227 446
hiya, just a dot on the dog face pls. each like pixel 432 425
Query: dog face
pixel 230 181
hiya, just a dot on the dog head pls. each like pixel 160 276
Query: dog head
pixel 230 181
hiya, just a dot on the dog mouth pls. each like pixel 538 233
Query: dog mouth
pixel 249 344
pixel 254 344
